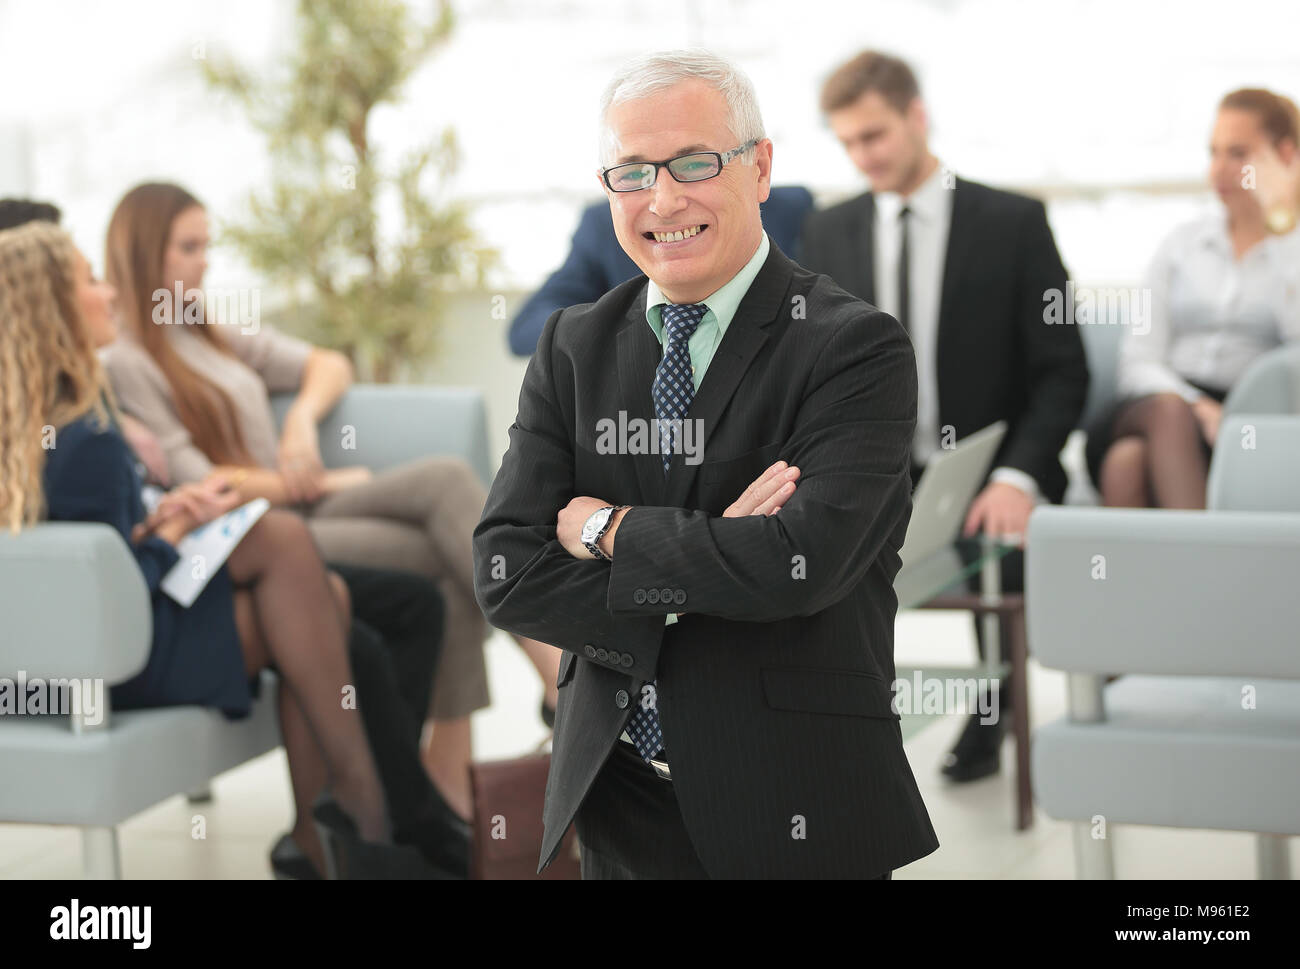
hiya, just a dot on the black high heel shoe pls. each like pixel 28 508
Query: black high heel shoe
pixel 288 863
pixel 347 857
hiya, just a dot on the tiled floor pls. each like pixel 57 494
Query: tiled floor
pixel 974 822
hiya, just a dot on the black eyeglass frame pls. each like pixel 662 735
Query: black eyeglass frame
pixel 722 156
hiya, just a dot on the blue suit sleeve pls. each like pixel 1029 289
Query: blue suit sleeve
pixel 784 214
pixel 95 482
pixel 581 279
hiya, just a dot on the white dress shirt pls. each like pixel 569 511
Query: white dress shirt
pixel 927 240
pixel 1211 313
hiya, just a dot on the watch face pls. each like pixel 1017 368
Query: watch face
pixel 594 524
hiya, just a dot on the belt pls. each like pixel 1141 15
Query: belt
pixel 660 766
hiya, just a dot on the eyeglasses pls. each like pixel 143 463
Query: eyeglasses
pixel 695 167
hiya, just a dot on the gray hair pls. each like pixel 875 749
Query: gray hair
pixel 657 72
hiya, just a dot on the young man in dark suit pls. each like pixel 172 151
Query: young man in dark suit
pixel 702 504
pixel 968 270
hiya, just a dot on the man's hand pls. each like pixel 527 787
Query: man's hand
pixel 298 459
pixel 569 522
pixel 1209 412
pixel 1002 510
pixel 768 492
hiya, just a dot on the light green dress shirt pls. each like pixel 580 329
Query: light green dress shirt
pixel 703 343
pixel 722 306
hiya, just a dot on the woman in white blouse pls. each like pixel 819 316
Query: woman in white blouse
pixel 1223 290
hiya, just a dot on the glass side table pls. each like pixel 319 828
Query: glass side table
pixel 940 581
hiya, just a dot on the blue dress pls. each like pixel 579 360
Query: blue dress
pixel 90 476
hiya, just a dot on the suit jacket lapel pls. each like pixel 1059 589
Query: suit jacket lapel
pixel 638 357
pixel 744 338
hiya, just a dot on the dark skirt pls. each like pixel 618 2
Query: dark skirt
pixel 195 658
pixel 1101 432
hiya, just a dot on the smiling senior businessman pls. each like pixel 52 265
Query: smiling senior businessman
pixel 727 621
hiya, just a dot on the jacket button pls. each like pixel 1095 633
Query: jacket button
pixel 615 657
pixel 621 699
pixel 652 596
pixel 639 597
pixel 679 597
pixel 602 654
pixel 590 650
pixel 665 595
pixel 626 661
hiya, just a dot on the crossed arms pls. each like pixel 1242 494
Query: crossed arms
pixel 850 440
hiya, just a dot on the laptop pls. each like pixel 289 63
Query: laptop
pixel 947 487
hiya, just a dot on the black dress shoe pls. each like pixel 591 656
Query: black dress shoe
pixel 351 859
pixel 288 863
pixel 976 753
pixel 441 835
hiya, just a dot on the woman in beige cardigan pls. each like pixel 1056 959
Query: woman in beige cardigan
pixel 204 390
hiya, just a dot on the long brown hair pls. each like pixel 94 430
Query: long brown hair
pixel 138 235
pixel 49 373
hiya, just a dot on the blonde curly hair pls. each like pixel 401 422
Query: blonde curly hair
pixel 49 373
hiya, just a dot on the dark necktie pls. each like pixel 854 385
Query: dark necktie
pixel 672 392
pixel 904 273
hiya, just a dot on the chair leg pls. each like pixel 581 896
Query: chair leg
pixel 99 853
pixel 1093 857
pixel 1272 857
pixel 1020 720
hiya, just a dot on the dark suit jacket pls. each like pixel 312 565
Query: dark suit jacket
pixel 597 263
pixel 996 358
pixel 774 690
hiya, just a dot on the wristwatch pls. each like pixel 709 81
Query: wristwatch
pixel 596 526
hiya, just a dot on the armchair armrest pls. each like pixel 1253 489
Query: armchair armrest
pixel 1192 593
pixel 72 604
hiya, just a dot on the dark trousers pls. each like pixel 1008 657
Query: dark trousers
pixel 397 622
pixel 629 826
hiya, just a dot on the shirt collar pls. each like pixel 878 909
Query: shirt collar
pixel 927 201
pixel 1213 233
pixel 722 304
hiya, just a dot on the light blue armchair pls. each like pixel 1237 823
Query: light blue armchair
pixel 1199 612
pixel 67 770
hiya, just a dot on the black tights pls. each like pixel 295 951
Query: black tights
pixel 1158 456
pixel 290 617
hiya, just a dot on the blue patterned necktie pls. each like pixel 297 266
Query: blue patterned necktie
pixel 672 392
